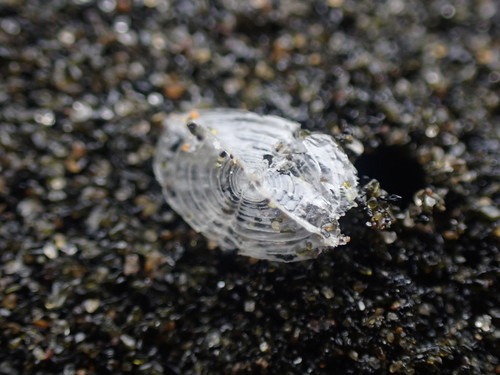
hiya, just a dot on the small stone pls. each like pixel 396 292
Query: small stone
pixel 57 183
pixel 49 250
pixel 10 301
pixel 395 367
pixel 483 322
pixel 79 337
pixel 81 112
pixel 390 337
pixel 356 147
pixel 264 346
pixel 389 237
pixel 175 90
pixel 327 292
pixel 213 339
pixel 275 225
pixel 392 317
pixel 46 118
pixel 132 264
pixel 128 341
pixel 249 306
pixel 91 305
pixel 425 309
pixel 490 212
pixel 39 353
pixel 154 260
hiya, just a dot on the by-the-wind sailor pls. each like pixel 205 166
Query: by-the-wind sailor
pixel 256 183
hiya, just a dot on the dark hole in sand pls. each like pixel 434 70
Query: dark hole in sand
pixel 396 168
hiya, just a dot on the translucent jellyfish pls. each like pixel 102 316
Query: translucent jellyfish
pixel 256 183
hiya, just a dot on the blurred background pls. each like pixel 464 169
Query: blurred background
pixel 99 276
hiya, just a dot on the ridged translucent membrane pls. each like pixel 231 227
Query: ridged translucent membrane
pixel 256 183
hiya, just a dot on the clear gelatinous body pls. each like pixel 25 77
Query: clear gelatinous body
pixel 256 183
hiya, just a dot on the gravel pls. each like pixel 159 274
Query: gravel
pixel 99 276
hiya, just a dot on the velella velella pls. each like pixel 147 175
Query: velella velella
pixel 256 183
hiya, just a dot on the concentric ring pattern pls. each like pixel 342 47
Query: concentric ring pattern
pixel 256 183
